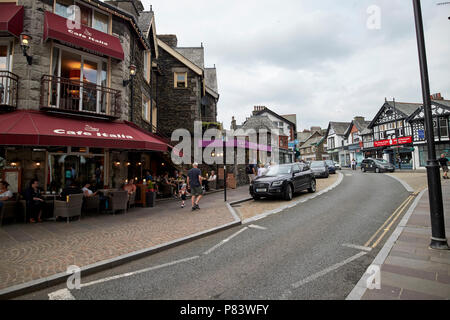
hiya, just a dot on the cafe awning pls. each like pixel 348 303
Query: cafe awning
pixel 34 128
pixel 66 31
pixel 11 19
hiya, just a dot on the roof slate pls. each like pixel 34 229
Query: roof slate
pixel 195 55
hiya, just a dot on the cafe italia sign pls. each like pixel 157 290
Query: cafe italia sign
pixel 90 131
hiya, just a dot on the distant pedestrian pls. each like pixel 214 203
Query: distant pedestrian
pixel 251 172
pixel 194 181
pixel 353 164
pixel 261 170
pixel 443 161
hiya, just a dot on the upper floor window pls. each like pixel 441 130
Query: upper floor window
pixel 88 16
pixel 443 124
pixel 180 79
pixel 147 64
pixel 145 108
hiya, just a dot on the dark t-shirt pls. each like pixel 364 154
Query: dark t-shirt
pixel 443 161
pixel 194 175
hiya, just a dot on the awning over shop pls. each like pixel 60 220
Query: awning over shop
pixel 34 128
pixel 65 30
pixel 11 18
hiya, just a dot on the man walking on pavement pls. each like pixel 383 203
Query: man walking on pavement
pixel 443 161
pixel 194 180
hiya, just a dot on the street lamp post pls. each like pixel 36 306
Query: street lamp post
pixel 438 239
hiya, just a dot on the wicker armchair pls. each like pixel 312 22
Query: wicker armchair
pixel 92 203
pixel 118 201
pixel 132 200
pixel 70 208
pixel 9 209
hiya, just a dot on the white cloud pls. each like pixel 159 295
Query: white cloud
pixel 313 58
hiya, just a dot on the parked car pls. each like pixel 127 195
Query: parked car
pixel 320 169
pixel 337 165
pixel 331 166
pixel 283 181
pixel 376 165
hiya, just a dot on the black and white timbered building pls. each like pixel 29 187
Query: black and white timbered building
pixel 441 128
pixel 392 134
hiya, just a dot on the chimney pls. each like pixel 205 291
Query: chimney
pixel 257 109
pixel 436 96
pixel 359 119
pixel 233 123
pixel 169 39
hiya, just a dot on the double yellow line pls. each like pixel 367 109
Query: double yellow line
pixel 394 216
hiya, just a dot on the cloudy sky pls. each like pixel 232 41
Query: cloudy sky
pixel 317 59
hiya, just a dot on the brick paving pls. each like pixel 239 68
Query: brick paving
pixel 33 251
pixel 411 270
pixel 253 208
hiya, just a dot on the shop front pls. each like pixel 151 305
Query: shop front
pixel 59 150
pixel 398 151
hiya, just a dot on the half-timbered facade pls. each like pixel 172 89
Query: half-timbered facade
pixel 441 129
pixel 392 136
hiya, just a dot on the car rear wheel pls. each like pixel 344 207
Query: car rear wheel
pixel 312 187
pixel 377 170
pixel 288 193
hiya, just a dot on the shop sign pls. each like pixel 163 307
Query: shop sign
pixel 393 142
pixel 93 132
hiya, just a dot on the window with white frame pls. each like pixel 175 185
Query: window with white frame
pixel 146 108
pixel 443 124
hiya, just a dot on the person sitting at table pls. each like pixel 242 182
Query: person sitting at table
pixel 87 191
pixel 130 187
pixel 212 177
pixel 5 194
pixel 172 186
pixel 35 203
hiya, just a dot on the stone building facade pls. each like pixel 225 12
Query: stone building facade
pixel 96 77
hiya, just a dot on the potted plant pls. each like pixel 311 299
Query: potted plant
pixel 150 194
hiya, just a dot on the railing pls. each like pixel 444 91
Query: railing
pixel 84 98
pixel 8 90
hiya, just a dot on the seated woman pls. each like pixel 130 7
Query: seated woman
pixel 130 187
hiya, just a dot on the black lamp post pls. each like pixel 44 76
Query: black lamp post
pixel 438 239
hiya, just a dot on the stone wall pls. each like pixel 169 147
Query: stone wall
pixel 178 107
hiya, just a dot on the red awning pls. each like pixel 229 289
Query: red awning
pixel 59 28
pixel 11 18
pixel 34 128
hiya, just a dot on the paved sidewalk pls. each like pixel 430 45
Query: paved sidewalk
pixel 411 270
pixel 36 251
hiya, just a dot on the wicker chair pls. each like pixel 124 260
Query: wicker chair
pixel 70 208
pixel 9 209
pixel 132 200
pixel 118 201
pixel 91 203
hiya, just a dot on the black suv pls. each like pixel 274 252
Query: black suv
pixel 377 165
pixel 283 181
